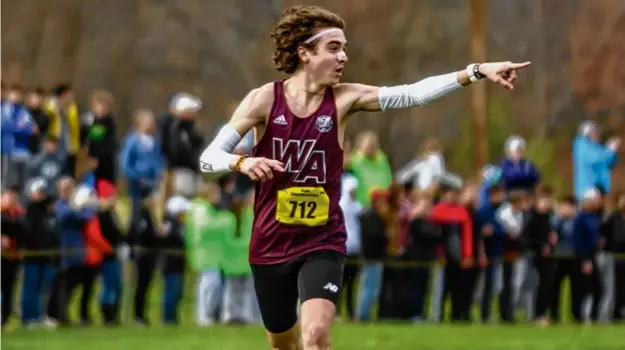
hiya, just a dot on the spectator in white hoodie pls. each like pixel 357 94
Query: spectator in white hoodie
pixel 510 217
pixel 427 171
pixel 351 210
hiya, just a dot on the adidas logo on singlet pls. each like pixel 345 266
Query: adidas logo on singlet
pixel 280 120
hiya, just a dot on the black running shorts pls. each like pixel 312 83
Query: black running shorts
pixel 317 275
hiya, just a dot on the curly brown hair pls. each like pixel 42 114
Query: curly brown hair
pixel 297 24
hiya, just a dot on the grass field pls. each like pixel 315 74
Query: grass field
pixel 346 336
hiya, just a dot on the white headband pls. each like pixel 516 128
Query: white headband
pixel 322 33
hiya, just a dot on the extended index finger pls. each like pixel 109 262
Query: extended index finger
pixel 520 65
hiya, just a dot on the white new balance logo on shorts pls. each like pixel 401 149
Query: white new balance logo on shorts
pixel 331 287
pixel 280 120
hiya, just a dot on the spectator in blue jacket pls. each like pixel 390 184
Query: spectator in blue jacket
pixel 11 97
pixel 6 145
pixel 72 211
pixel 492 235
pixel 586 244
pixel 592 161
pixel 141 161
pixel 518 173
pixel 17 129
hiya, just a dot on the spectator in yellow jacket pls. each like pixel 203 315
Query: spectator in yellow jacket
pixel 65 123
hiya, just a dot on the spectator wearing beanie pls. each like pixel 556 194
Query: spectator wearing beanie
pixel 517 172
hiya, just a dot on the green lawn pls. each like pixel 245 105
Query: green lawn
pixel 345 336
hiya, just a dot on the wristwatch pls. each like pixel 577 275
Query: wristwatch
pixel 473 71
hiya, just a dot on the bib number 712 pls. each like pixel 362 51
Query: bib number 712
pixel 308 206
pixel 303 209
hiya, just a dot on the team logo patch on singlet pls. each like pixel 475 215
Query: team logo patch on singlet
pixel 309 206
pixel 324 123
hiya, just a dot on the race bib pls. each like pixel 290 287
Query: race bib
pixel 309 206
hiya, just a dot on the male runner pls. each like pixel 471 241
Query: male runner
pixel 298 240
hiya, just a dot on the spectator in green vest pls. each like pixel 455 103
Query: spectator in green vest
pixel 239 297
pixel 371 167
pixel 205 230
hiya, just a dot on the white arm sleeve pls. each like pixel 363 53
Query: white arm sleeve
pixel 420 93
pixel 217 157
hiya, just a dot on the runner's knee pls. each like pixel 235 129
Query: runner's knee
pixel 316 336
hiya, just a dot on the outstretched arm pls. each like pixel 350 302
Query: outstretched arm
pixel 423 92
pixel 218 158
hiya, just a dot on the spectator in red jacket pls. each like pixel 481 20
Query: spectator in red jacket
pixel 12 229
pixel 457 249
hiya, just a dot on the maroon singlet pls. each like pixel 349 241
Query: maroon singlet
pixel 297 212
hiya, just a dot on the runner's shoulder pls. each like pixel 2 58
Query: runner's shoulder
pixel 262 98
pixel 355 91
pixel 256 105
pixel 263 95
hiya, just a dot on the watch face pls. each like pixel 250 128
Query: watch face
pixel 476 71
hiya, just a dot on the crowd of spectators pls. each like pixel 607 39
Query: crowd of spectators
pixel 416 238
